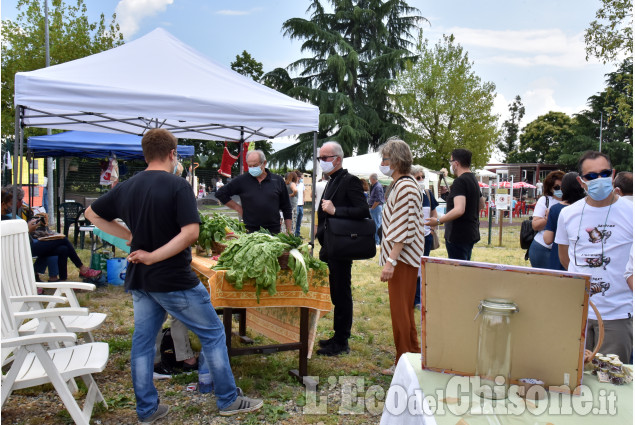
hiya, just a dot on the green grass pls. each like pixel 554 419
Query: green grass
pixel 265 376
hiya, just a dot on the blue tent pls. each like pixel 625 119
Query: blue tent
pixel 86 144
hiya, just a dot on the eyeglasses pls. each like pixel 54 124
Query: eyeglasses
pixel 385 159
pixel 419 178
pixel 556 187
pixel 326 157
pixel 593 176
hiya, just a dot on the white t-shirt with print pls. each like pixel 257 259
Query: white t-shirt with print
pixel 601 250
pixel 540 210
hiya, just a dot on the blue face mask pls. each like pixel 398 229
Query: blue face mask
pixel 557 194
pixel 255 171
pixel 600 188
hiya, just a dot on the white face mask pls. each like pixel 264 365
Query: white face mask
pixel 422 184
pixel 451 168
pixel 326 166
pixel 386 170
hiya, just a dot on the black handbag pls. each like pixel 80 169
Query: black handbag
pixel 349 238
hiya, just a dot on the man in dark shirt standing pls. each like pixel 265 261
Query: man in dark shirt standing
pixel 262 196
pixel 159 209
pixel 375 202
pixel 342 197
pixel 463 204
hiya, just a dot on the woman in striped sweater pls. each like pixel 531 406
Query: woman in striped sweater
pixel 402 245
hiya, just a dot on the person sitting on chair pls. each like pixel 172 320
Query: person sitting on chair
pixel 61 248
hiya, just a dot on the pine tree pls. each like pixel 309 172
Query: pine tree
pixel 356 52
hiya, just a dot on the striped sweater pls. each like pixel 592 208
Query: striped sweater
pixel 402 221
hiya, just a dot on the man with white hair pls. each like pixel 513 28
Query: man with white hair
pixel 262 195
pixel 342 197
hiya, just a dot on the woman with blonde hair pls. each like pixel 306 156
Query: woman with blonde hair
pixel 402 245
pixel 290 180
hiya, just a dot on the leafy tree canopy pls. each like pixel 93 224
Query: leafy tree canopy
pixel 71 36
pixel 246 65
pixel 542 139
pixel 509 137
pixel 610 36
pixel 612 111
pixel 446 105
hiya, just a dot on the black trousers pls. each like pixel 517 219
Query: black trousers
pixel 61 248
pixel 341 297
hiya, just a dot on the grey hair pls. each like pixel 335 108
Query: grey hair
pixel 337 148
pixel 260 153
pixel 374 176
pixel 416 169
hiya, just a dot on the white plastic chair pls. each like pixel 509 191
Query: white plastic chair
pixel 28 361
pixel 18 281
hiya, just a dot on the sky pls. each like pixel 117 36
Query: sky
pixel 534 49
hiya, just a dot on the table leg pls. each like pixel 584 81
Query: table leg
pixel 227 322
pixel 242 326
pixel 301 373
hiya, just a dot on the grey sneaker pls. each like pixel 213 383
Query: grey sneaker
pixel 161 411
pixel 242 404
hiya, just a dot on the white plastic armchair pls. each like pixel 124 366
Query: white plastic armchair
pixel 29 361
pixel 18 282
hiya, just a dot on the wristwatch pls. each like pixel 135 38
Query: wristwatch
pixel 393 262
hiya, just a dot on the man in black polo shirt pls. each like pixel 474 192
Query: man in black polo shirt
pixel 262 195
pixel 463 204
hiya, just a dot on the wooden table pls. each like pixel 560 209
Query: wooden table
pixel 273 315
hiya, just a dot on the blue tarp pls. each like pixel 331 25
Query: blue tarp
pixel 86 144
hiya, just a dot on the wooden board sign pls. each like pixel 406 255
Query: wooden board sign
pixel 548 332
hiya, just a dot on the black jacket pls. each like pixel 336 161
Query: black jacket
pixel 347 194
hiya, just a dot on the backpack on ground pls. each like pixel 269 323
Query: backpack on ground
pixel 168 356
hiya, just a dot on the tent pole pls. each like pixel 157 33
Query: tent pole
pixel 313 187
pixel 16 141
pixel 241 160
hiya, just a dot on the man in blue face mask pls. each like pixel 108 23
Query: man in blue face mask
pixel 262 196
pixel 595 236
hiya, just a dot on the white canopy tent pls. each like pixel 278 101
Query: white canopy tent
pixel 364 165
pixel 158 81
pixel 155 81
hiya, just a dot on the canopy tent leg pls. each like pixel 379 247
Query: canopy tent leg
pixel 241 160
pixel 17 170
pixel 313 187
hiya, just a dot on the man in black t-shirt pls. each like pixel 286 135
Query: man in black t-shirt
pixel 262 195
pixel 159 209
pixel 463 205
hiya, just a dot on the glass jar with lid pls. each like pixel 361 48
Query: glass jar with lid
pixel 493 361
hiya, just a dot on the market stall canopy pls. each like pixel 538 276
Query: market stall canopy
pixel 365 165
pixel 484 173
pixel 158 81
pixel 93 145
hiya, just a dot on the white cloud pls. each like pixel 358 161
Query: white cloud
pixel 524 48
pixel 228 12
pixel 131 12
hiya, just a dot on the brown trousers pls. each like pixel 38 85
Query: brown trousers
pixel 401 292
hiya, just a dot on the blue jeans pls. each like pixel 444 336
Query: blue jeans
pixel 376 215
pixel 427 247
pixel 298 220
pixel 539 255
pixel 459 251
pixel 194 309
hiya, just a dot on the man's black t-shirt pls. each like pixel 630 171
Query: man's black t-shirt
pixel 154 205
pixel 464 230
pixel 261 201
